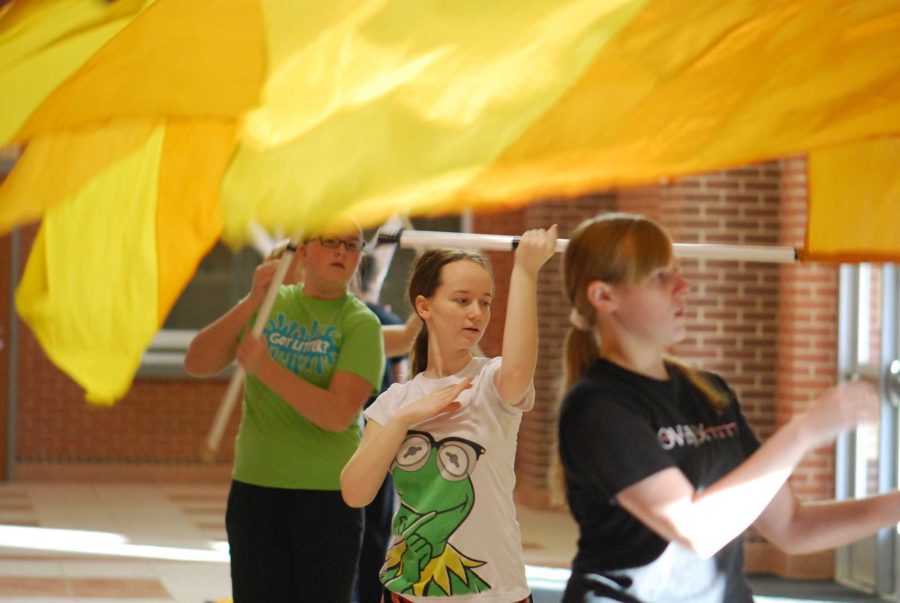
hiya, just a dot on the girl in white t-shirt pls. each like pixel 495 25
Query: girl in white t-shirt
pixel 448 436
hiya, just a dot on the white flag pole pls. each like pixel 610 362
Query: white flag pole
pixel 489 242
pixel 226 408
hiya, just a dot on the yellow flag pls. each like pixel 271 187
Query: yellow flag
pixel 90 284
pixel 308 109
pixel 110 260
pixel 44 42
pixel 854 203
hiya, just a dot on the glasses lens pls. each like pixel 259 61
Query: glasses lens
pixel 353 245
pixel 329 242
pixel 413 452
pixel 456 461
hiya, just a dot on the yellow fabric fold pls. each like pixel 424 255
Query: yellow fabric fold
pixel 188 58
pixel 379 107
pixel 189 217
pixel 37 184
pixel 89 289
pixel 43 42
pixel 292 113
pixel 111 259
pixel 854 203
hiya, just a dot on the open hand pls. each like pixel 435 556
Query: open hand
pixel 437 402
pixel 840 408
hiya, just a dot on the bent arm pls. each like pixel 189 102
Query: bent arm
pixel 704 522
pixel 806 527
pixel 332 409
pixel 214 347
pixel 364 473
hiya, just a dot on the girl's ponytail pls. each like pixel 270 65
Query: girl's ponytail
pixel 581 350
pixel 419 352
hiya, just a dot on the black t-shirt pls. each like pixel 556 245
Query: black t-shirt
pixel 618 427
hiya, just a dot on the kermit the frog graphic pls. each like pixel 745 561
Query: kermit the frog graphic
pixel 433 482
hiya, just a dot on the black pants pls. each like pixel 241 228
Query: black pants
pixel 376 535
pixel 289 546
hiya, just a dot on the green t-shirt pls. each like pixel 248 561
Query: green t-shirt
pixel 278 447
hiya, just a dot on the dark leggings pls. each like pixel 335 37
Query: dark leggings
pixel 376 535
pixel 291 545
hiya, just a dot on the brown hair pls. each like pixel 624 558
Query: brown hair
pixel 616 248
pixel 425 280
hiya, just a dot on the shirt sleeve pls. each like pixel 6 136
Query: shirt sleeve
pixel 489 373
pixel 606 445
pixel 362 349
pixel 385 405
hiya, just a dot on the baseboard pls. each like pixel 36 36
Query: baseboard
pixel 163 473
pixel 763 558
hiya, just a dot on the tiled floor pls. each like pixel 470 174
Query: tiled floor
pixel 105 542
pixel 151 543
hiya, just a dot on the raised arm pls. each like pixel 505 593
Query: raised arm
pixel 520 332
pixel 215 346
pixel 706 521
pixel 364 473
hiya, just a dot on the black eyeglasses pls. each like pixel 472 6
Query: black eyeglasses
pixel 334 243
pixel 456 457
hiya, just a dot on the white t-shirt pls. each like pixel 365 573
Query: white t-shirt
pixel 455 534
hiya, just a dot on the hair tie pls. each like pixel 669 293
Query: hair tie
pixel 578 320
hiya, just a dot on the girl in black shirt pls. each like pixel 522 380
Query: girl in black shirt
pixel 662 471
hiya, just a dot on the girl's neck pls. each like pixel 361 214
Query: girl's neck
pixel 312 289
pixel 444 365
pixel 641 359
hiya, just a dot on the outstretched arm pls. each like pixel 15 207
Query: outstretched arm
pixel 805 527
pixel 365 471
pixel 706 521
pixel 520 332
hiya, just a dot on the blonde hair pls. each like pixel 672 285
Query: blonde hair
pixel 425 280
pixel 619 249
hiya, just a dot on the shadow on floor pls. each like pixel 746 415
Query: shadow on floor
pixel 768 589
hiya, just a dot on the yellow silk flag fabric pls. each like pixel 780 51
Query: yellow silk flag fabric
pixel 854 203
pixel 111 258
pixel 376 107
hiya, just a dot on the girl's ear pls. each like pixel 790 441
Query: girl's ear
pixel 600 295
pixel 423 307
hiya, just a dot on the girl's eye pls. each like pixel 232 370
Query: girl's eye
pixel 463 301
pixel 485 304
